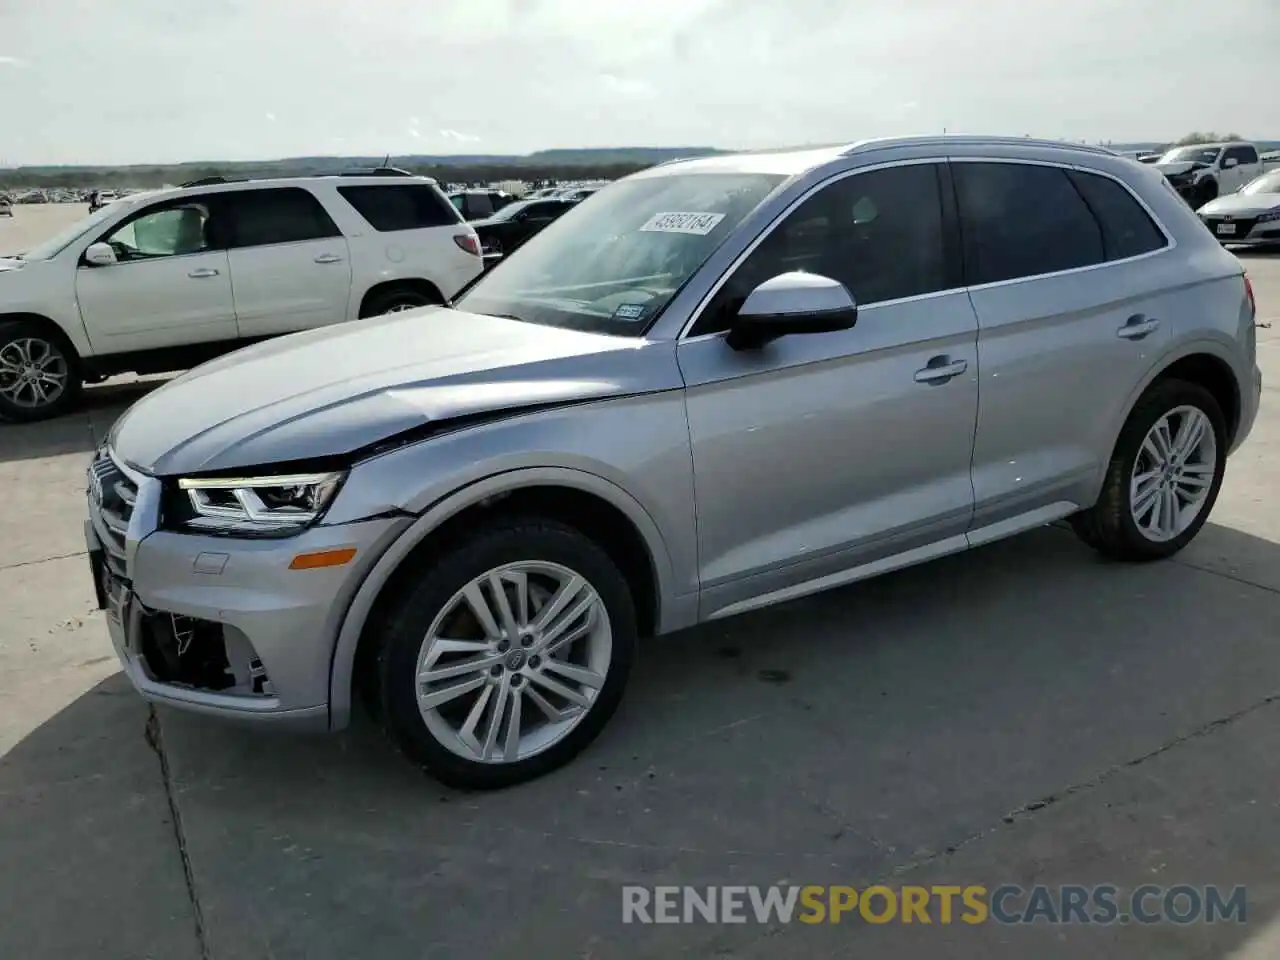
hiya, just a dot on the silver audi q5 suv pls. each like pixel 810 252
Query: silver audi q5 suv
pixel 720 384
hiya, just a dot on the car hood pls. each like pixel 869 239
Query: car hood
pixel 341 389
pixel 1182 166
pixel 11 263
pixel 1236 204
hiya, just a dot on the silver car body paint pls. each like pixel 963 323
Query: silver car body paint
pixel 751 477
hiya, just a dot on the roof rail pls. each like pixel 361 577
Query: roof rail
pixel 973 140
pixel 382 171
pixel 205 182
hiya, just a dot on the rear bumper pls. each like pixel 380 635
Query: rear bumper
pixel 1248 411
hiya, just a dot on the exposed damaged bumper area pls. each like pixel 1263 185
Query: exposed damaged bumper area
pixel 215 625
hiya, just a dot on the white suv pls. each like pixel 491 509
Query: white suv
pixel 162 281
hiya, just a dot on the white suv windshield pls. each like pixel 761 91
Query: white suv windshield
pixel 60 241
pixel 611 265
pixel 1191 155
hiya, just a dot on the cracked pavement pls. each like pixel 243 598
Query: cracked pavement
pixel 1025 713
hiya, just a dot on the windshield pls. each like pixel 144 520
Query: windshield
pixel 1267 183
pixel 612 265
pixel 511 210
pixel 60 241
pixel 1191 154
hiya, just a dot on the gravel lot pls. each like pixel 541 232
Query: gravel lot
pixel 1023 714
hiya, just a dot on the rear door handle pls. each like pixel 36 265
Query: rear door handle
pixel 328 258
pixel 203 273
pixel 1138 326
pixel 941 369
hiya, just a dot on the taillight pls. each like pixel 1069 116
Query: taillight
pixel 468 242
pixel 1248 292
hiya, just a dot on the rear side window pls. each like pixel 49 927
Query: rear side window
pixel 281 215
pixel 389 208
pixel 1127 230
pixel 1022 220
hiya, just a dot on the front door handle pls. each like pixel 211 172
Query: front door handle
pixel 328 258
pixel 1138 326
pixel 203 273
pixel 941 369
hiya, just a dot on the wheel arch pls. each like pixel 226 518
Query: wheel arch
pixel 583 500
pixel 1204 362
pixel 47 323
pixel 416 284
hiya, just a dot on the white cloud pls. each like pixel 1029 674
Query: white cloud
pixel 12 61
pixel 459 136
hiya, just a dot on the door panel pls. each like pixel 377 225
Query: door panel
pixel 290 286
pixel 290 265
pixel 1069 323
pixel 823 451
pixel 819 452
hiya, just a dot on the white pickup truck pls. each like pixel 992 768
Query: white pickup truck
pixel 1205 171
pixel 162 281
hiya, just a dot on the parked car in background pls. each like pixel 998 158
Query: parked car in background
pixel 479 204
pixel 6 207
pixel 721 384
pixel 1205 171
pixel 161 281
pixel 577 194
pixel 1249 216
pixel 515 223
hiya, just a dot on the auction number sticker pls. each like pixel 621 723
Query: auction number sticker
pixel 698 224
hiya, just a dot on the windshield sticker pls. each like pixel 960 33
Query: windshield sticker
pixel 629 312
pixel 698 224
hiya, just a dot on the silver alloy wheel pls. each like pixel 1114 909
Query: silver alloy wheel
pixel 514 661
pixel 33 372
pixel 1173 473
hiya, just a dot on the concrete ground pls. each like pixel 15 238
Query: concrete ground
pixel 1025 713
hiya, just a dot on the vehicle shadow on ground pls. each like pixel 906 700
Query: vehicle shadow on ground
pixel 895 725
pixel 78 432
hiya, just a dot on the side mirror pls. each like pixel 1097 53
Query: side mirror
pixel 792 303
pixel 99 255
pixel 1229 162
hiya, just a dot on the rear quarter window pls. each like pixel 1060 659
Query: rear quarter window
pixel 1127 229
pixel 400 207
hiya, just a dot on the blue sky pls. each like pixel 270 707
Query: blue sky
pixel 121 81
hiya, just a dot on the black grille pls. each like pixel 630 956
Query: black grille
pixel 112 495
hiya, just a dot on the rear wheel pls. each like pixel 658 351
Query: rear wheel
pixel 397 300
pixel 1163 478
pixel 39 373
pixel 508 656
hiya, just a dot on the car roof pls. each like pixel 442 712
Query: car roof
pixel 223 186
pixel 793 162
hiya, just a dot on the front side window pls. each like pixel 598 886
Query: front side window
pixel 1242 154
pixel 612 265
pixel 172 232
pixel 279 215
pixel 879 233
pixel 1022 220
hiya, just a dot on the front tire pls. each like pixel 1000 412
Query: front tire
pixel 507 656
pixel 1163 478
pixel 39 373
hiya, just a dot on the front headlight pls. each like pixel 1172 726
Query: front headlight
pixel 1269 215
pixel 252 506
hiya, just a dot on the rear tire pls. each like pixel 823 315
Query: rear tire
pixel 1130 521
pixel 39 373
pixel 395 301
pixel 432 627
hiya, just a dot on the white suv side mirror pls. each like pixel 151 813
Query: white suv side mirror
pixel 1229 162
pixel 99 255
